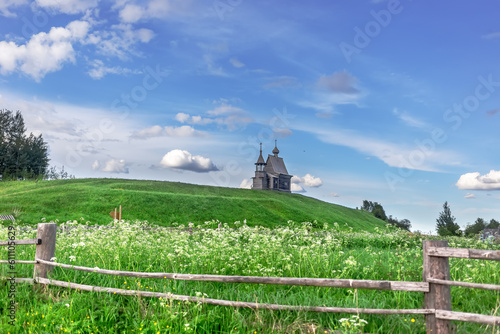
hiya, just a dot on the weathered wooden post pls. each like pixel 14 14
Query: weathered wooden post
pixel 439 296
pixel 46 250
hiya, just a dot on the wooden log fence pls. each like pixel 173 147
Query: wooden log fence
pixel 436 284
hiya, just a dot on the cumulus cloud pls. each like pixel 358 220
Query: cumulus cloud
pixel 183 160
pixel 469 196
pixel 111 166
pixel 168 131
pixel 338 82
pixel 44 52
pixel 308 180
pixel 297 188
pixel 246 184
pixel 476 181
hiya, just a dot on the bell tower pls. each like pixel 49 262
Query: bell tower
pixel 260 178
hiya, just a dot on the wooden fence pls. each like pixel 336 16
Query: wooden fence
pixel 436 284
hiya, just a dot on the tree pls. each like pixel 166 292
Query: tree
pixel 493 224
pixel 21 156
pixel 379 212
pixel 476 228
pixel 446 223
pixel 403 224
pixel 375 208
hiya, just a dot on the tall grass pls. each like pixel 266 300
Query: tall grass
pixel 294 250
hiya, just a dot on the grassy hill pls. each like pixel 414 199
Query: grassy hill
pixel 164 203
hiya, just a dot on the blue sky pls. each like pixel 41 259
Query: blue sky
pixel 391 101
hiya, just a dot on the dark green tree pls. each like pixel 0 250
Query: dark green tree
pixel 446 223
pixel 375 208
pixel 476 228
pixel 21 156
pixel 379 212
pixel 403 224
pixel 493 224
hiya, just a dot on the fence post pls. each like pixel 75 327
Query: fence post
pixel 439 296
pixel 46 250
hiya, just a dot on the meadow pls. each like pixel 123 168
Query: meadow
pixel 165 203
pixel 291 250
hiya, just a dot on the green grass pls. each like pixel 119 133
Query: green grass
pixel 166 203
pixel 293 250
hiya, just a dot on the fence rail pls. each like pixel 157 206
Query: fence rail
pixel 220 302
pixel 21 242
pixel 477 254
pixel 436 283
pixel 320 282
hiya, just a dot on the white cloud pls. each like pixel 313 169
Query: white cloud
pixel 99 70
pixel 334 194
pixel 476 181
pixel 154 131
pixel 6 5
pixel 131 13
pixel 236 63
pixel 68 6
pixel 134 11
pixel 308 180
pixel 44 52
pixel 416 156
pixel 119 40
pixel 224 114
pixel 294 187
pixel 111 166
pixel 182 117
pixel 225 109
pixel 168 131
pixel 181 131
pixel 469 196
pixel 408 119
pixel 181 159
pixel 282 132
pixel 198 120
pixel 230 116
pixel 96 165
pixel 246 184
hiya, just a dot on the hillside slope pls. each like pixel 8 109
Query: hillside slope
pixel 164 203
